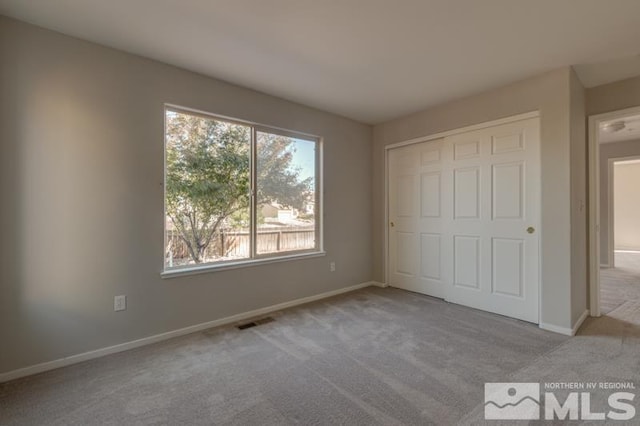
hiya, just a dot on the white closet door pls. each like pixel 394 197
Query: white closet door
pixel 416 213
pixel 464 216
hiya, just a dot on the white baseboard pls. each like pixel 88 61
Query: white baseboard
pixel 379 284
pixel 578 323
pixel 565 330
pixel 74 359
pixel 555 328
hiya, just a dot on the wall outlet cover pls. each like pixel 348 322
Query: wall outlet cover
pixel 120 303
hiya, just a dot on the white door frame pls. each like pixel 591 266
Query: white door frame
pixel 387 148
pixel 594 202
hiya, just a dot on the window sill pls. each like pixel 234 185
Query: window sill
pixel 194 270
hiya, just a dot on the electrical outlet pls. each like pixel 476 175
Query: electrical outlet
pixel 332 266
pixel 120 303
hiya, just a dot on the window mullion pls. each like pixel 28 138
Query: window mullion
pixel 253 223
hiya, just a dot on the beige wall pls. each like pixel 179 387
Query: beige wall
pixel 614 96
pixel 549 93
pixel 626 203
pixel 610 151
pixel 579 200
pixel 81 164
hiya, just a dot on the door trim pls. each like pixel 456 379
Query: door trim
pixel 478 126
pixel 594 203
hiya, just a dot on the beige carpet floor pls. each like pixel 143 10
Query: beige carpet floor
pixel 374 356
pixel 622 283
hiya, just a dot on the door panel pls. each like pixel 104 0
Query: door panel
pixel 430 256
pixel 461 207
pixel 466 261
pixel 406 196
pixel 406 249
pixel 507 192
pixel 508 267
pixel 430 155
pixel 507 140
pixel 466 193
pixel 467 148
pixel 430 194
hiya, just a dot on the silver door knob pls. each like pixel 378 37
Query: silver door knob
pixel 531 229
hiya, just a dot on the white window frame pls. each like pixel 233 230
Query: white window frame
pixel 254 258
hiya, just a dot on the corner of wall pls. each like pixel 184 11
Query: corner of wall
pixel 579 198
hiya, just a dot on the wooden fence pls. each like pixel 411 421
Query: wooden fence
pixel 235 244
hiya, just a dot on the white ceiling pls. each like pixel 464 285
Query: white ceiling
pixel 370 60
pixel 627 132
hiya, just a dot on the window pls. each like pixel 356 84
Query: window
pixel 237 192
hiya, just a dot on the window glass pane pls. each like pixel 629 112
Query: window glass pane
pixel 207 193
pixel 286 201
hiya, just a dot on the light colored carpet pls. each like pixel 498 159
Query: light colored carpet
pixel 606 349
pixel 374 356
pixel 619 284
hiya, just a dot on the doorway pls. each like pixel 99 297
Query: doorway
pixel 621 278
pixel 614 154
